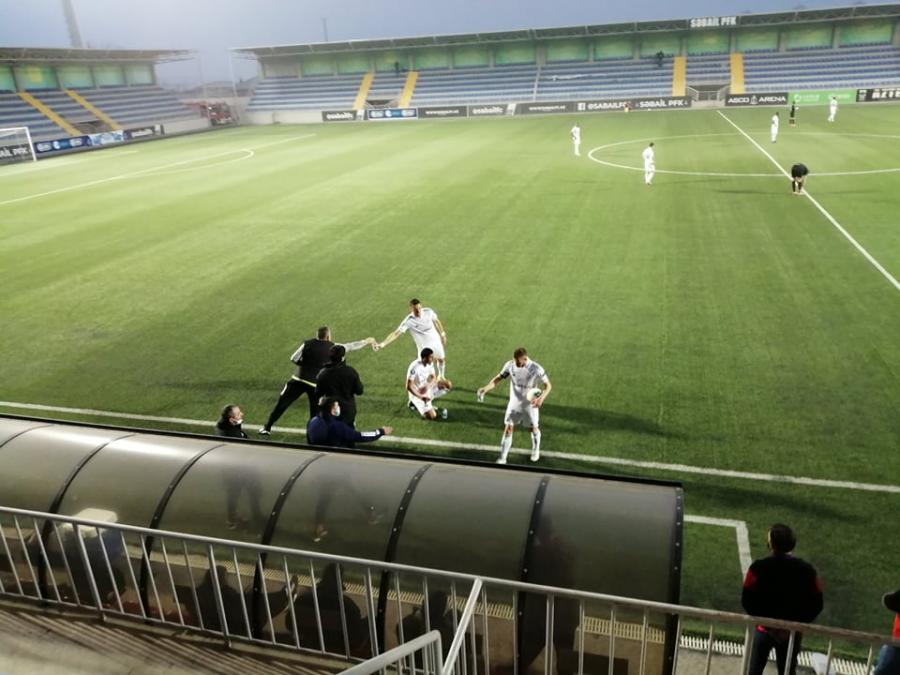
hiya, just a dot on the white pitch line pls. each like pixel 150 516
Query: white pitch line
pixel 132 174
pixel 62 162
pixel 877 265
pixel 430 442
pixel 740 532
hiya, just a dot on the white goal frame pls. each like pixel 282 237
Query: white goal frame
pixel 27 139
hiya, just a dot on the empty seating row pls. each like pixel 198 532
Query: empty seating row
pixel 870 66
pixel 291 93
pixel 605 79
pixel 476 85
pixel 709 69
pixel 138 105
pixel 14 112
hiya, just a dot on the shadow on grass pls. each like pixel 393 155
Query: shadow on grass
pixel 465 409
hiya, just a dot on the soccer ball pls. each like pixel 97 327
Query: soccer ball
pixel 532 394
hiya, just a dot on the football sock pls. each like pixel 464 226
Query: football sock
pixel 536 440
pixel 505 445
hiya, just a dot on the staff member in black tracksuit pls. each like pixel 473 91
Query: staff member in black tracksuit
pixel 309 358
pixel 780 587
pixel 340 381
pixel 799 172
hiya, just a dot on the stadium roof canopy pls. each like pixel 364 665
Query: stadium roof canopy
pixel 66 54
pixel 744 20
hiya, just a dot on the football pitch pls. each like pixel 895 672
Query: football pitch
pixel 711 328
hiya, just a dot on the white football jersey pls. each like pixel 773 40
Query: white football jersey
pixel 775 121
pixel 522 379
pixel 576 133
pixel 421 375
pixel 420 326
pixel 648 155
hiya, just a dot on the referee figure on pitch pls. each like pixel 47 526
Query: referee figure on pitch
pixel 799 172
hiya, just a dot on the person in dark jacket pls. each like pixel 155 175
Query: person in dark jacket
pixel 340 381
pixel 309 358
pixel 230 421
pixel 780 586
pixel 888 662
pixel 326 429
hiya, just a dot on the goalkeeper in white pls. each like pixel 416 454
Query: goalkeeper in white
pixel 523 375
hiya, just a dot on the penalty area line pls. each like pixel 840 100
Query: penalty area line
pixel 831 219
pixel 453 445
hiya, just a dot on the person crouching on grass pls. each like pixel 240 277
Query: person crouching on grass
pixel 799 172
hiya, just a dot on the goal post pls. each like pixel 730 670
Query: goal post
pixel 16 145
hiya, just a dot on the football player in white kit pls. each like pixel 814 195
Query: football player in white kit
pixel 832 108
pixel 576 139
pixel 426 330
pixel 423 386
pixel 649 156
pixel 773 130
pixel 523 374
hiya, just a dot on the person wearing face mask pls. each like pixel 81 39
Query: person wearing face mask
pixel 230 422
pixel 326 429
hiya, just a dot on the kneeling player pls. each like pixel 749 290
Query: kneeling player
pixel 423 386
pixel 523 375
pixel 798 178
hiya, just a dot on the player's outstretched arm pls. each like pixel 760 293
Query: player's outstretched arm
pixel 358 344
pixel 297 355
pixel 490 385
pixel 539 401
pixel 388 340
pixel 439 327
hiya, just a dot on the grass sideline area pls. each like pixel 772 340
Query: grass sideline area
pixel 709 320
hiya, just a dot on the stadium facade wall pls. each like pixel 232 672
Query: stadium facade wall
pixel 42 76
pixel 572 49
pixel 7 81
pixel 36 77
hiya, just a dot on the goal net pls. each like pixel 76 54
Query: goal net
pixel 15 145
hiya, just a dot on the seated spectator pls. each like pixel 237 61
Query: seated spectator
pixel 326 429
pixel 230 421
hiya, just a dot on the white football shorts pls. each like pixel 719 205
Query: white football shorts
pixel 522 413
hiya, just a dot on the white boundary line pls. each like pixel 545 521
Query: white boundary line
pixel 721 174
pixel 62 162
pixel 430 442
pixel 740 532
pixel 877 265
pixel 150 170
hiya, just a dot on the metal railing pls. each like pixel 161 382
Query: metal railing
pixel 420 655
pixel 356 610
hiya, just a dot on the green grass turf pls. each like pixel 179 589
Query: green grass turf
pixel 710 321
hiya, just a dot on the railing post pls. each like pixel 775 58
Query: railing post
pixel 465 620
pixel 217 594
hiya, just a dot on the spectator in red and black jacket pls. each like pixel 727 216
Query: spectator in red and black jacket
pixel 889 657
pixel 780 587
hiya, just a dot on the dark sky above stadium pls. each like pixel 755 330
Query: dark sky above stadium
pixel 212 26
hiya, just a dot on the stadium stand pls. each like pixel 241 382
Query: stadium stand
pixel 14 112
pixel 605 79
pixel 138 105
pixel 714 69
pixel 312 92
pixel 822 68
pixel 475 85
